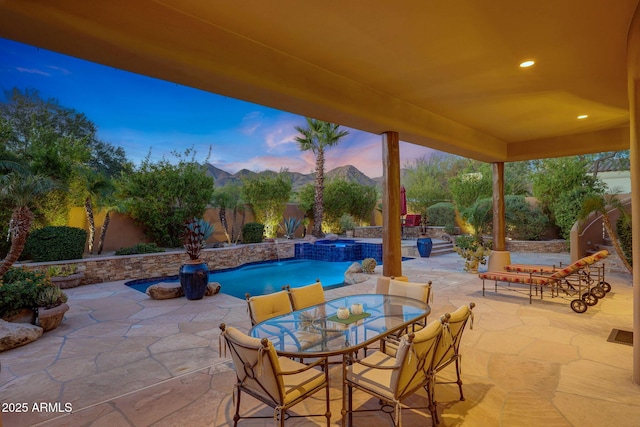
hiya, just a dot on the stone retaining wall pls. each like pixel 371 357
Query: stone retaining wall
pixel 130 267
pixel 542 246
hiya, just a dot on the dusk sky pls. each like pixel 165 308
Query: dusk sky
pixel 140 114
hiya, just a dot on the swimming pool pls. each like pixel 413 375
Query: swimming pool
pixel 266 277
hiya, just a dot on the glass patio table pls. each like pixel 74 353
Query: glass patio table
pixel 316 331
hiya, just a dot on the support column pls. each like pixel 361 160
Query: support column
pixel 499 256
pixel 391 228
pixel 633 70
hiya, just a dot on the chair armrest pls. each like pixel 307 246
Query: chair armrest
pixel 369 365
pixel 320 361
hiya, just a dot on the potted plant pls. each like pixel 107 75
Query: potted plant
pixel 347 224
pixel 18 294
pixel 474 250
pixel 52 305
pixel 194 274
pixel 66 276
pixel 424 243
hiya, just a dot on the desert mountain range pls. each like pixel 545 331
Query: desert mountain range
pixel 298 180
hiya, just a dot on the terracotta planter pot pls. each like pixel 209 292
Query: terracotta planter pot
pixel 66 282
pixel 50 318
pixel 26 315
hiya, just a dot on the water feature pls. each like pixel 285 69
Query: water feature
pixel 338 250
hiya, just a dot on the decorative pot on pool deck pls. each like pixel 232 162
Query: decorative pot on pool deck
pixel 194 277
pixel 69 281
pixel 50 318
pixel 425 244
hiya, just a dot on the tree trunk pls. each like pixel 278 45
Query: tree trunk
pixel 103 232
pixel 21 220
pixel 616 242
pixel 92 225
pixel 225 225
pixel 318 205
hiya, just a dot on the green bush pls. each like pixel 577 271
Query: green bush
pixel 523 221
pixel 441 214
pixel 56 243
pixel 140 248
pixel 19 289
pixel 252 232
pixel 623 228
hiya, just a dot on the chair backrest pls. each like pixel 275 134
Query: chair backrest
pixel 265 307
pixel 600 255
pixel 414 358
pixel 306 296
pixel 256 364
pixel 569 269
pixel 382 285
pixel 456 323
pixel 419 291
pixel 412 220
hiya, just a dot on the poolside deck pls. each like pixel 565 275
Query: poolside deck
pixel 122 359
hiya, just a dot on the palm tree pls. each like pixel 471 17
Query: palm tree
pixel 318 136
pixel 602 205
pixel 95 187
pixel 22 192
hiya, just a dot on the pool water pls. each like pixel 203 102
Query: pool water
pixel 267 277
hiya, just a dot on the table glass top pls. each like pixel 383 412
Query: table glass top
pixel 317 330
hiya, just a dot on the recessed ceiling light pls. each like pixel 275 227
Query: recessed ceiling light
pixel 526 64
pixel 583 116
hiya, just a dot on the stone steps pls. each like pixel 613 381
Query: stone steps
pixel 440 247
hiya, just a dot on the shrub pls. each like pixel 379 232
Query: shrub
pixel 441 214
pixel 450 228
pixel 523 221
pixel 347 222
pixel 140 248
pixel 623 228
pixel 56 243
pixel 252 232
pixel 20 289
pixel 368 265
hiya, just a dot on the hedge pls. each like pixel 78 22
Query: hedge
pixel 56 243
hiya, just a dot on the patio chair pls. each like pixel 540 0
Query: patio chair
pixel 419 291
pixel 560 280
pixel 265 307
pixel 382 284
pixel 585 264
pixel 450 353
pixel 393 379
pixel 275 381
pixel 305 296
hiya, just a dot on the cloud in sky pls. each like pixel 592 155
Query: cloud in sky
pixel 32 71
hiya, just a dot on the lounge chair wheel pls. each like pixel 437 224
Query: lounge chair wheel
pixel 598 291
pixel 589 299
pixel 578 306
pixel 606 286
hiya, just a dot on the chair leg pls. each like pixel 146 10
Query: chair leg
pixel 459 379
pixel 236 417
pixel 328 413
pixel 350 405
pixel 431 396
pixel 280 416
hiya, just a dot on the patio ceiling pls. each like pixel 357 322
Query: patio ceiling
pixel 442 74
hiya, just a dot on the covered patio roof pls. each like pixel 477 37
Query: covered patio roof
pixel 442 74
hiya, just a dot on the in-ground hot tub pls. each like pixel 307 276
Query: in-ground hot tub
pixel 338 250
